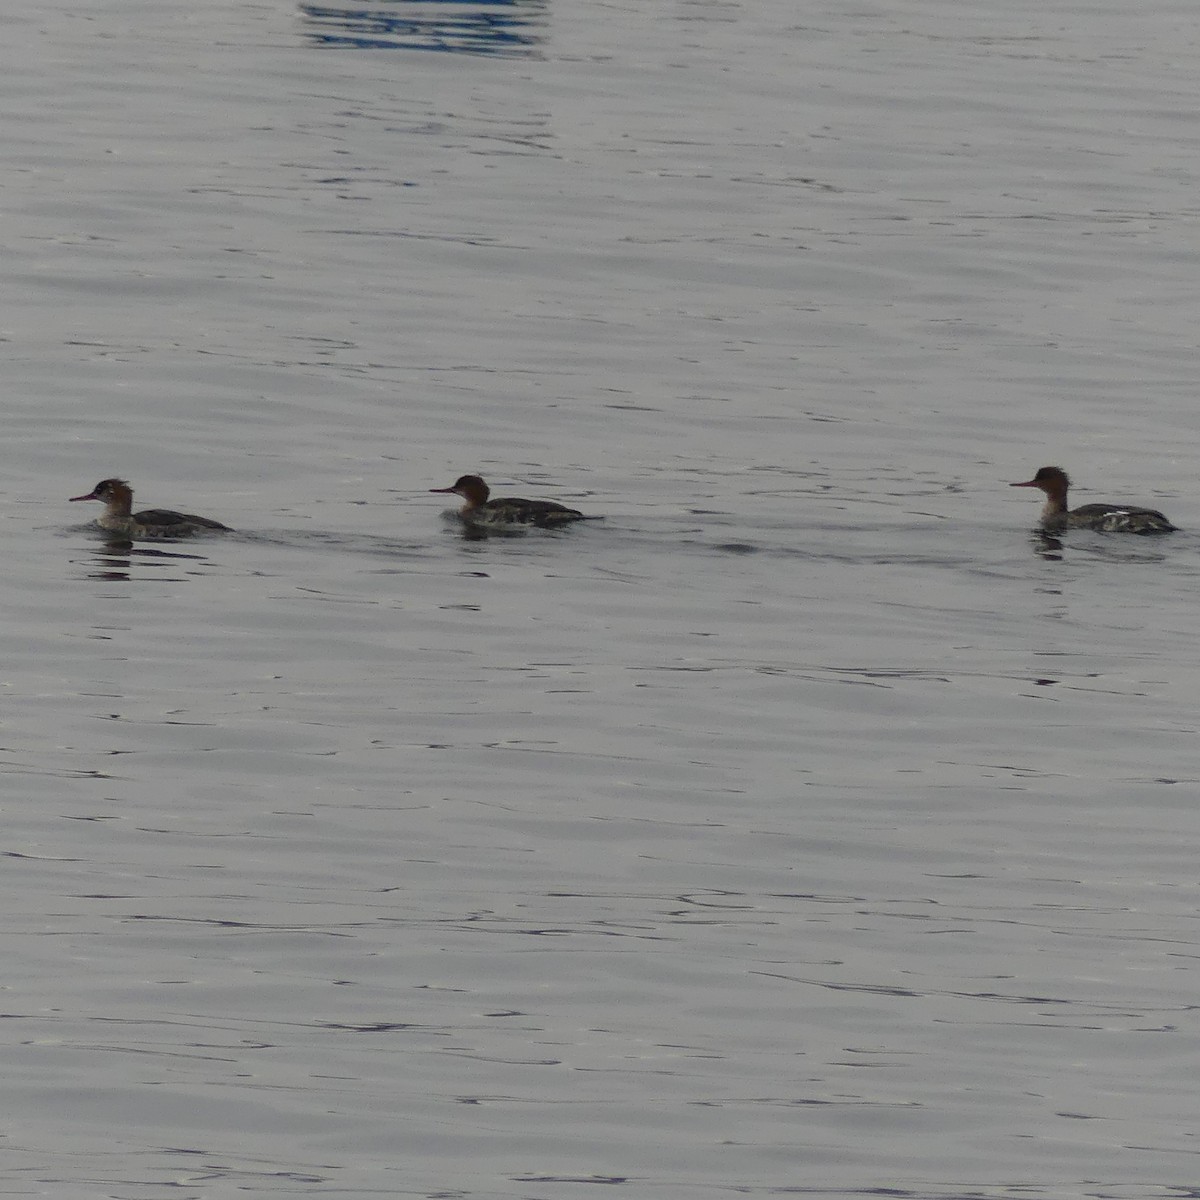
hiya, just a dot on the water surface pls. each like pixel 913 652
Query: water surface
pixel 808 826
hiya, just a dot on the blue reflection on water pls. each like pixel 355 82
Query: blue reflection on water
pixel 499 27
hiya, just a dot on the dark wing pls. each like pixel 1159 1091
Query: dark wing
pixel 514 510
pixel 1121 518
pixel 167 519
pixel 547 512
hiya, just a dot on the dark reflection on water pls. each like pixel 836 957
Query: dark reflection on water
pixel 114 558
pixel 1112 547
pixel 1047 546
pixel 470 532
pixel 497 27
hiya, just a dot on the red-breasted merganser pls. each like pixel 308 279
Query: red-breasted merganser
pixel 509 510
pixel 119 518
pixel 1108 518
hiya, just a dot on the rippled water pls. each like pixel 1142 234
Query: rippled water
pixel 805 827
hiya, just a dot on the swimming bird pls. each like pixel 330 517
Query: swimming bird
pixel 507 510
pixel 118 516
pixel 1108 518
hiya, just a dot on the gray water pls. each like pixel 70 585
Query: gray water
pixel 806 827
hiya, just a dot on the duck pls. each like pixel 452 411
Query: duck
pixel 1106 518
pixel 162 523
pixel 479 509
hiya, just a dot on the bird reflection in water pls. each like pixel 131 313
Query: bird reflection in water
pixel 114 559
pixel 1047 546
